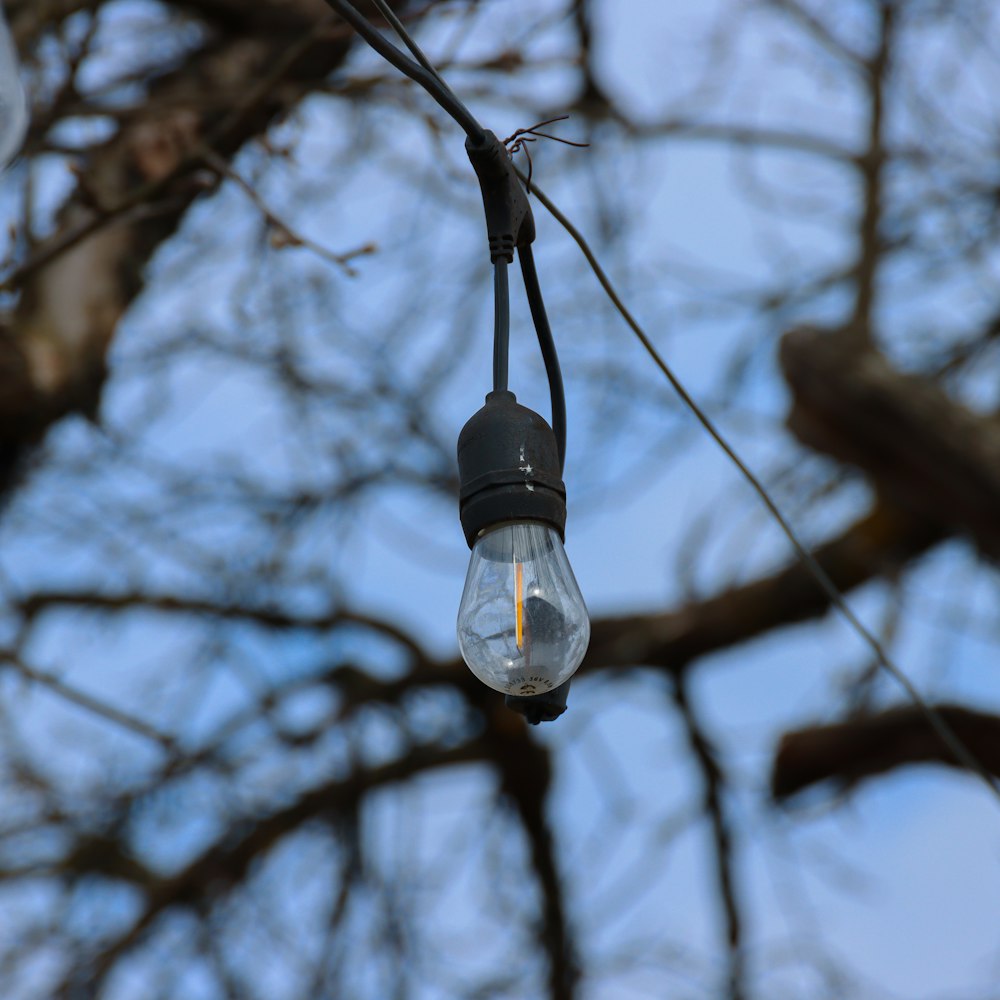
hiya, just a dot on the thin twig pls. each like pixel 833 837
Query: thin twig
pixel 88 702
pixel 872 168
pixel 286 235
pixel 714 791
pixel 188 165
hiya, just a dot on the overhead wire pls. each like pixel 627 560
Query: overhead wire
pixel 501 325
pixel 422 72
pixel 547 345
pixel 958 749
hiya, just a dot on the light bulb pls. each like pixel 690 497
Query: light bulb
pixel 523 627
pixel 13 109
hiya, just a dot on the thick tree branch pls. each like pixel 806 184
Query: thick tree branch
pixel 79 282
pixel 228 862
pixel 928 455
pixel 865 747
pixel 526 775
pixel 882 541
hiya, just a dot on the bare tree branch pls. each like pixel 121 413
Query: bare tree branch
pixel 714 784
pixel 929 455
pixel 872 166
pixel 872 745
pixel 882 541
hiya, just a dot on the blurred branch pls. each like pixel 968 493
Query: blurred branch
pixel 526 778
pixel 77 284
pixel 819 32
pixel 871 745
pixel 88 702
pixel 738 134
pixel 283 235
pixel 36 604
pixel 882 541
pixel 227 862
pixel 714 782
pixel 829 587
pixel 872 167
pixel 927 454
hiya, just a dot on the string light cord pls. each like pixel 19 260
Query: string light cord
pixel 547 346
pixel 501 325
pixel 509 222
pixel 420 72
pixel 397 25
pixel 947 735
pixel 501 332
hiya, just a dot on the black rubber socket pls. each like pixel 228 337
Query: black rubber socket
pixel 508 466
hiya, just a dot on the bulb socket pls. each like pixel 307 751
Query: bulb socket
pixel 546 707
pixel 508 466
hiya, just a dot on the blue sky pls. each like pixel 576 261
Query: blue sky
pixel 900 880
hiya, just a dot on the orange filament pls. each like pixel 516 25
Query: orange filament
pixel 519 603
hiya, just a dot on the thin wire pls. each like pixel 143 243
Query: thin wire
pixel 501 325
pixel 958 749
pixel 429 80
pixel 424 74
pixel 397 25
pixel 518 141
pixel 548 348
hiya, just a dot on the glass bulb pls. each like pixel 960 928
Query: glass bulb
pixel 13 109
pixel 522 625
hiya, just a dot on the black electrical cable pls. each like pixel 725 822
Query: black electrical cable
pixel 548 347
pixel 501 325
pixel 427 79
pixel 397 25
pixel 423 72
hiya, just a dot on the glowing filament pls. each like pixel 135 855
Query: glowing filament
pixel 519 603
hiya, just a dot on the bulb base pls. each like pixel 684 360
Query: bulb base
pixel 508 463
pixel 537 708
